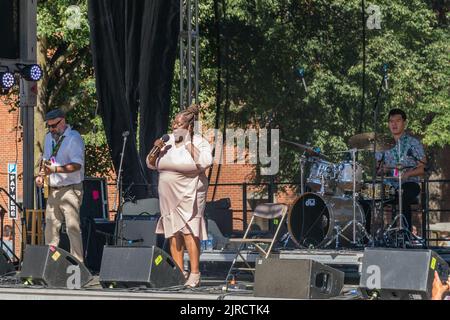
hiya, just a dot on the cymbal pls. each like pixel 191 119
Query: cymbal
pixel 366 141
pixel 310 151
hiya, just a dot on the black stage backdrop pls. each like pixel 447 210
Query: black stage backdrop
pixel 134 46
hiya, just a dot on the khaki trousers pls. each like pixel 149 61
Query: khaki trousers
pixel 63 204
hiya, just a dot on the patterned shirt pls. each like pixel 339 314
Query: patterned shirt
pixel 408 151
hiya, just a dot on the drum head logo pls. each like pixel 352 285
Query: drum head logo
pixel 310 202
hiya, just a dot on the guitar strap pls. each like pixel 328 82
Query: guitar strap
pixel 55 148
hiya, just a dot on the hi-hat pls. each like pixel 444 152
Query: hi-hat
pixel 309 150
pixel 366 141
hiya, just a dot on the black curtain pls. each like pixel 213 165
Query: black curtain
pixel 134 46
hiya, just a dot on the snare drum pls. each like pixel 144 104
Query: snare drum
pixel 385 191
pixel 345 176
pixel 322 173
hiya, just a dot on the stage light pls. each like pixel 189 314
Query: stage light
pixel 6 80
pixel 32 72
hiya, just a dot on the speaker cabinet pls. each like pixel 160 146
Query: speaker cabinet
pixel 53 267
pixel 137 231
pixel 296 279
pixel 400 274
pixel 130 267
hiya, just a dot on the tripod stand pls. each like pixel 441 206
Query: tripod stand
pixel 354 223
pixel 400 234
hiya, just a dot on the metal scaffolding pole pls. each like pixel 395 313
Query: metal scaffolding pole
pixel 27 93
pixel 189 53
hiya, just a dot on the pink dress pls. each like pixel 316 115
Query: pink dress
pixel 182 188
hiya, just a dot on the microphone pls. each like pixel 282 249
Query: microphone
pixel 156 149
pixel 385 71
pixel 300 72
pixel 125 134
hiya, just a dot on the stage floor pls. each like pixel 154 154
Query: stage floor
pixel 211 289
pixel 214 267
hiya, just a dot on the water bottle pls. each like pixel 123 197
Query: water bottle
pixel 209 242
pixel 203 245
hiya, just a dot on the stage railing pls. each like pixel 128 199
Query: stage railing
pixel 271 189
pixel 424 208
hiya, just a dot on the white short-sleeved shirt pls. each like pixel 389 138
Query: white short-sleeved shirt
pixel 70 151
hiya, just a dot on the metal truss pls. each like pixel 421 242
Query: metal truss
pixel 189 53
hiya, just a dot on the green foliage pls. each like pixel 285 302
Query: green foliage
pixel 69 81
pixel 263 41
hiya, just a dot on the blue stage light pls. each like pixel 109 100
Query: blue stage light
pixel 6 80
pixel 32 72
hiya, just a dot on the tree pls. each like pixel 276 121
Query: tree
pixel 68 81
pixel 264 41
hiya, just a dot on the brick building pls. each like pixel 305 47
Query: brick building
pixel 10 152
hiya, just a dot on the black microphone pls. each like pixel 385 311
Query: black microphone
pixel 300 72
pixel 156 149
pixel 385 71
pixel 125 134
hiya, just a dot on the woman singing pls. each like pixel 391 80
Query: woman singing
pixel 182 190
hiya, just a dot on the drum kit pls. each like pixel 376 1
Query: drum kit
pixel 332 213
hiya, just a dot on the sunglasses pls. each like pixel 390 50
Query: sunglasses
pixel 53 126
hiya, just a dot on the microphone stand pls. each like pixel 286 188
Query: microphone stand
pixel 119 183
pixel 119 175
pixel 376 111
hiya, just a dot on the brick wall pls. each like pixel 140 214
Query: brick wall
pixel 10 152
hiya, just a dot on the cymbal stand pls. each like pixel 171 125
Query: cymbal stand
pixel 376 111
pixel 302 173
pixel 322 185
pixel 353 221
pixel 339 231
pixel 402 228
pixel 354 193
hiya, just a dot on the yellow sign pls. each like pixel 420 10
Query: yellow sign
pixel 158 260
pixel 56 255
pixel 433 263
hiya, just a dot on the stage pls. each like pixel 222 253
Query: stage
pixel 214 266
pixel 210 290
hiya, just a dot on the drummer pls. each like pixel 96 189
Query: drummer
pixel 409 152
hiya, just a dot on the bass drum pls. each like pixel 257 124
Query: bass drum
pixel 313 219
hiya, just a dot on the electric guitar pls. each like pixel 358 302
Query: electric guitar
pixel 46 184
